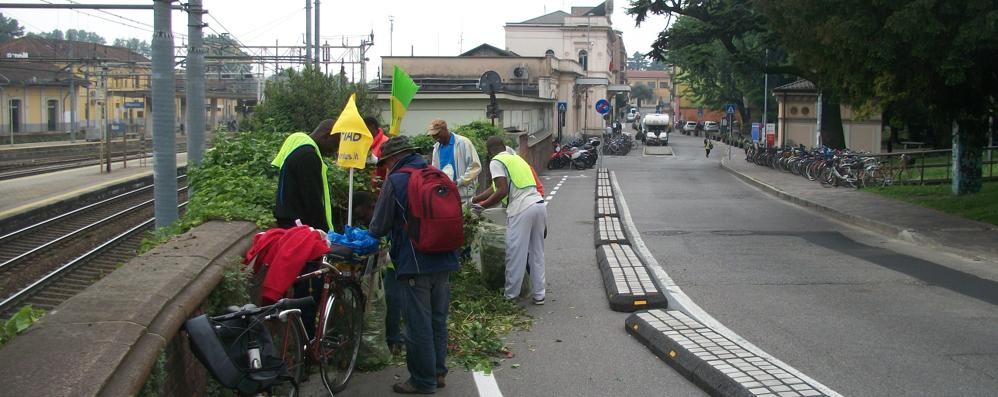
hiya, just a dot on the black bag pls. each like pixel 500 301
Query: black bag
pixel 222 346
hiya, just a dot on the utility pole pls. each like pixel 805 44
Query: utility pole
pixel 818 114
pixel 195 83
pixel 277 53
pixel 164 137
pixel 103 119
pixel 316 41
pixel 765 101
pixel 72 104
pixel 308 32
pixel 391 34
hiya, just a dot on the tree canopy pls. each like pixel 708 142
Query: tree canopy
pixel 928 57
pixel 73 35
pixel 642 92
pixel 720 50
pixel 304 98
pixel 9 29
pixel 139 46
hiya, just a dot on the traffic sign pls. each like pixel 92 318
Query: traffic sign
pixel 700 111
pixel 729 108
pixel 602 106
pixel 134 105
pixel 562 106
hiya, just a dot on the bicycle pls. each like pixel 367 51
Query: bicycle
pixel 239 352
pixel 339 324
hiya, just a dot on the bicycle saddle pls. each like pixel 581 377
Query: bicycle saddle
pixel 339 252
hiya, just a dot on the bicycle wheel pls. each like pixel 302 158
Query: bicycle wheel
pixel 289 344
pixel 341 334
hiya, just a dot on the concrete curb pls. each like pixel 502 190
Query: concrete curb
pixel 885 229
pixel 106 340
pixel 666 343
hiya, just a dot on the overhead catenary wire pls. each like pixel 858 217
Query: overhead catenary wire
pixel 147 28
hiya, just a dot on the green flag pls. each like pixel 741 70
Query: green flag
pixel 403 90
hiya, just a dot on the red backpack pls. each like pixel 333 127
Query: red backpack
pixel 435 221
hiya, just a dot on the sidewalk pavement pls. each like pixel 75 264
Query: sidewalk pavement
pixel 895 219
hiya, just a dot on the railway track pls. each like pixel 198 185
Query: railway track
pixel 49 262
pixel 19 169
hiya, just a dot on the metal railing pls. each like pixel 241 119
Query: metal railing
pixel 932 166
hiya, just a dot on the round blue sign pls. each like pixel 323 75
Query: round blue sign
pixel 602 106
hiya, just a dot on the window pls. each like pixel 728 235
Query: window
pixel 15 115
pixel 805 111
pixel 549 53
pixel 651 84
pixel 52 109
pixel 662 84
pixel 584 59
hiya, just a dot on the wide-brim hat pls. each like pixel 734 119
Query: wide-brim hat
pixel 394 146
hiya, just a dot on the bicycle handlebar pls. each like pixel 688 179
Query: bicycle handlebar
pixel 283 304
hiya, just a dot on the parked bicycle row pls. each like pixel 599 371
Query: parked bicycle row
pixel 828 166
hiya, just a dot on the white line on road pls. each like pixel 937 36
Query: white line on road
pixel 486 383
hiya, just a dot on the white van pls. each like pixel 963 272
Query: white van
pixel 656 127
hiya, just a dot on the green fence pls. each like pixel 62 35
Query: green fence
pixel 933 166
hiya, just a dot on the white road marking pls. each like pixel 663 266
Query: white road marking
pixel 486 384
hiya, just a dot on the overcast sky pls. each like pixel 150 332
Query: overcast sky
pixel 427 27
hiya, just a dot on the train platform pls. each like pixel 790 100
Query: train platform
pixel 21 195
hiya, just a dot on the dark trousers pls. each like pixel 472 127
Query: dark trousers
pixel 393 312
pixel 425 302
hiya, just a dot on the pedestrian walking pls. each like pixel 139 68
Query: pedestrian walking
pixel 423 278
pixel 707 145
pixel 456 156
pixel 514 186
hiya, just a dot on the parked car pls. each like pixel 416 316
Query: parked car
pixel 690 127
pixel 711 126
pixel 632 115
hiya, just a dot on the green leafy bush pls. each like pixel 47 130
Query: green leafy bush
pixel 299 100
pixel 423 143
pixel 480 131
pixel 19 323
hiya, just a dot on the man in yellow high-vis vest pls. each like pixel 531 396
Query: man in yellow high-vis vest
pixel 302 187
pixel 526 215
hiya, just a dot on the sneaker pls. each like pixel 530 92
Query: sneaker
pixel 538 301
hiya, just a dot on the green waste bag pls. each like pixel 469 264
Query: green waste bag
pixel 374 353
pixel 489 253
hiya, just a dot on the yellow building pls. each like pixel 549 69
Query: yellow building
pixel 40 78
pixel 660 82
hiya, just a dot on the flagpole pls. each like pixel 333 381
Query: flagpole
pixel 350 200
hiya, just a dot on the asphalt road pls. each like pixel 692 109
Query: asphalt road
pixel 577 345
pixel 864 315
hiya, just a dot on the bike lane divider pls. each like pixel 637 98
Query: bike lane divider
pixel 701 348
pixel 628 284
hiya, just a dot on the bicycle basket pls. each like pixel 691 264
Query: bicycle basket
pixel 222 346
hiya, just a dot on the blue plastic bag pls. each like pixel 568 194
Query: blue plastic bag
pixel 357 239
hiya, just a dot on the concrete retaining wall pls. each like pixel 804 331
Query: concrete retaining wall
pixel 106 340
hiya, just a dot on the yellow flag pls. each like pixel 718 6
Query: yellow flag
pixel 355 138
